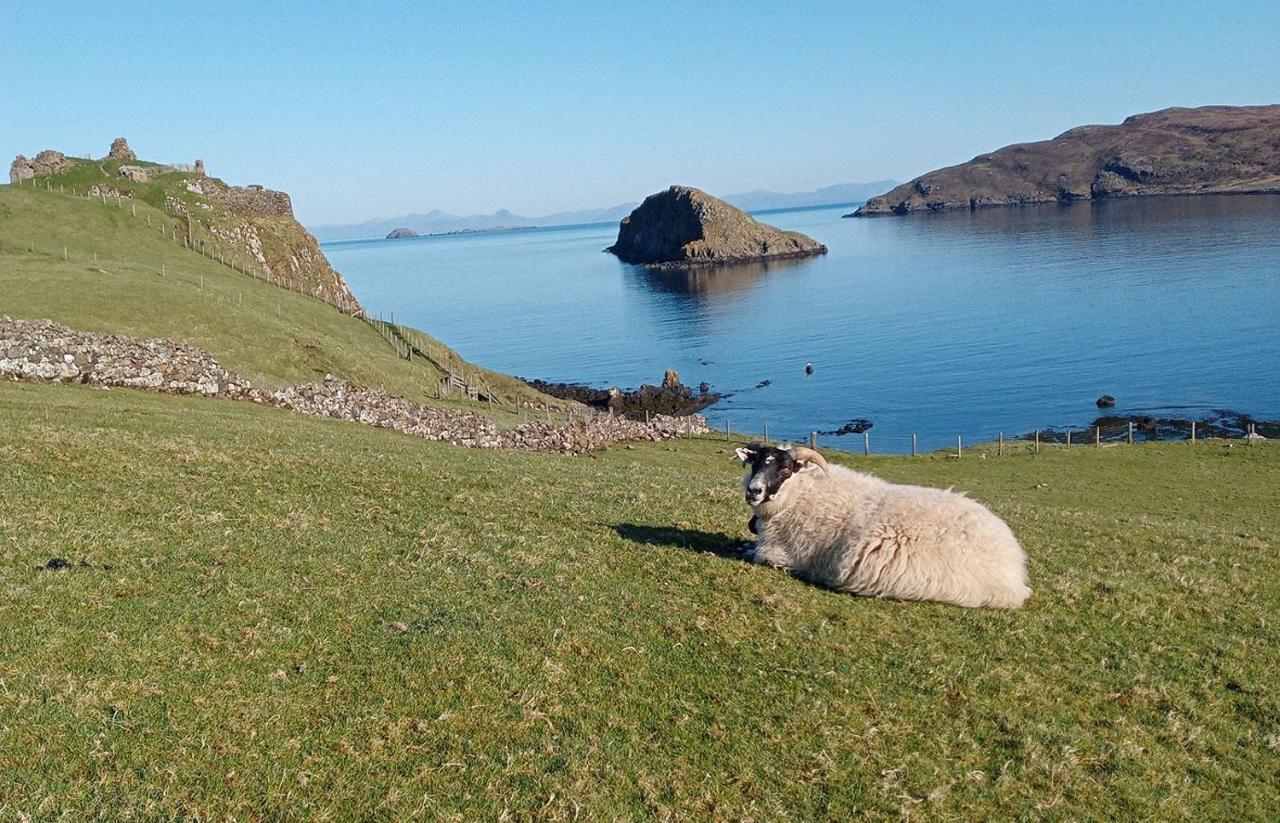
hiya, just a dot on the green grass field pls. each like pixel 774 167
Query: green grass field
pixel 100 268
pixel 276 616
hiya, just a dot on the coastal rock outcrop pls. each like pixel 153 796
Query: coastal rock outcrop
pixel 120 150
pixel 1206 150
pixel 684 226
pixel 396 234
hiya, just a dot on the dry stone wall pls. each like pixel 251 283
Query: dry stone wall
pixel 44 350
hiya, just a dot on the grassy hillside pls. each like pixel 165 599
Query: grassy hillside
pixel 249 225
pixel 277 616
pixel 102 268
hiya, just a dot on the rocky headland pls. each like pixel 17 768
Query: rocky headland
pixel 252 224
pixel 1176 151
pixel 396 234
pixel 684 226
pixel 42 350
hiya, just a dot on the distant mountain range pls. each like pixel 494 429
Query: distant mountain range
pixel 437 221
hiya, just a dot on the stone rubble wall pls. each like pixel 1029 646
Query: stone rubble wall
pixel 45 163
pixel 243 199
pixel 44 350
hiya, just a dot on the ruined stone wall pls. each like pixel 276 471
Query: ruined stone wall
pixel 44 350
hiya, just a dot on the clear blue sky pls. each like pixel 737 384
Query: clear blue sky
pixel 362 109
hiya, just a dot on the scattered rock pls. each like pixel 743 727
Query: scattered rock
pixel 199 168
pixel 56 564
pixel 852 427
pixel 120 150
pixel 684 226
pixel 764 383
pixel 1106 401
pixel 671 379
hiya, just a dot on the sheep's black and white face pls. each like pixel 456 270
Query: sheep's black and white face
pixel 768 468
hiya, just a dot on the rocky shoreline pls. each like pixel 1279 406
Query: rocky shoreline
pixel 42 350
pixel 671 398
pixel 1219 423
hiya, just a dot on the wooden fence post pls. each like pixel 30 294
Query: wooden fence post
pixel 913 444
pixel 1037 441
pixel 1193 431
pixel 1000 449
pixel 1130 432
pixel 766 434
pixel 1068 439
pixel 1097 437
pixel 866 444
pixel 813 440
pixel 959 445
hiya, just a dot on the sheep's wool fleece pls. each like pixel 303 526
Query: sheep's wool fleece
pixel 856 533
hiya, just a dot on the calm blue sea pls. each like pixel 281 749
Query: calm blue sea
pixel 968 323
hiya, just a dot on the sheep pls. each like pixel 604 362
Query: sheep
pixel 856 533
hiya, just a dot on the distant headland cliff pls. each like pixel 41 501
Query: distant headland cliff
pixel 1207 150
pixel 684 226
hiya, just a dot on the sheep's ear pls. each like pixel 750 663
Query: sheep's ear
pixel 806 466
pixel 744 454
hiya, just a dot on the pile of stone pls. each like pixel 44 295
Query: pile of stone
pixel 44 350
pixel 108 192
pixel 45 163
pixel 120 150
pixel 376 407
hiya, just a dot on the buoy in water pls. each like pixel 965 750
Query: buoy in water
pixel 808 368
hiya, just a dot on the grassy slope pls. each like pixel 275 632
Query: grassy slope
pixel 294 616
pixel 112 282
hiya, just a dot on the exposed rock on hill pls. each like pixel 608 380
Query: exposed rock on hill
pixel 1207 150
pixel 45 163
pixel 138 174
pixel 684 226
pixel 396 234
pixel 120 150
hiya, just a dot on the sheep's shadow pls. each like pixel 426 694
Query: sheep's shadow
pixel 692 540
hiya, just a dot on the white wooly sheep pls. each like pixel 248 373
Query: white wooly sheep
pixel 856 533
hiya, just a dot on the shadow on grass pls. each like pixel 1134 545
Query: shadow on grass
pixel 688 539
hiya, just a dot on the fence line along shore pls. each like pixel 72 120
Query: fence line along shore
pixel 999 444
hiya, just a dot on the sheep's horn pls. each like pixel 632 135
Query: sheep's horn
pixel 804 453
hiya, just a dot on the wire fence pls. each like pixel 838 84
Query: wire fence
pixel 999 443
pixel 181 230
